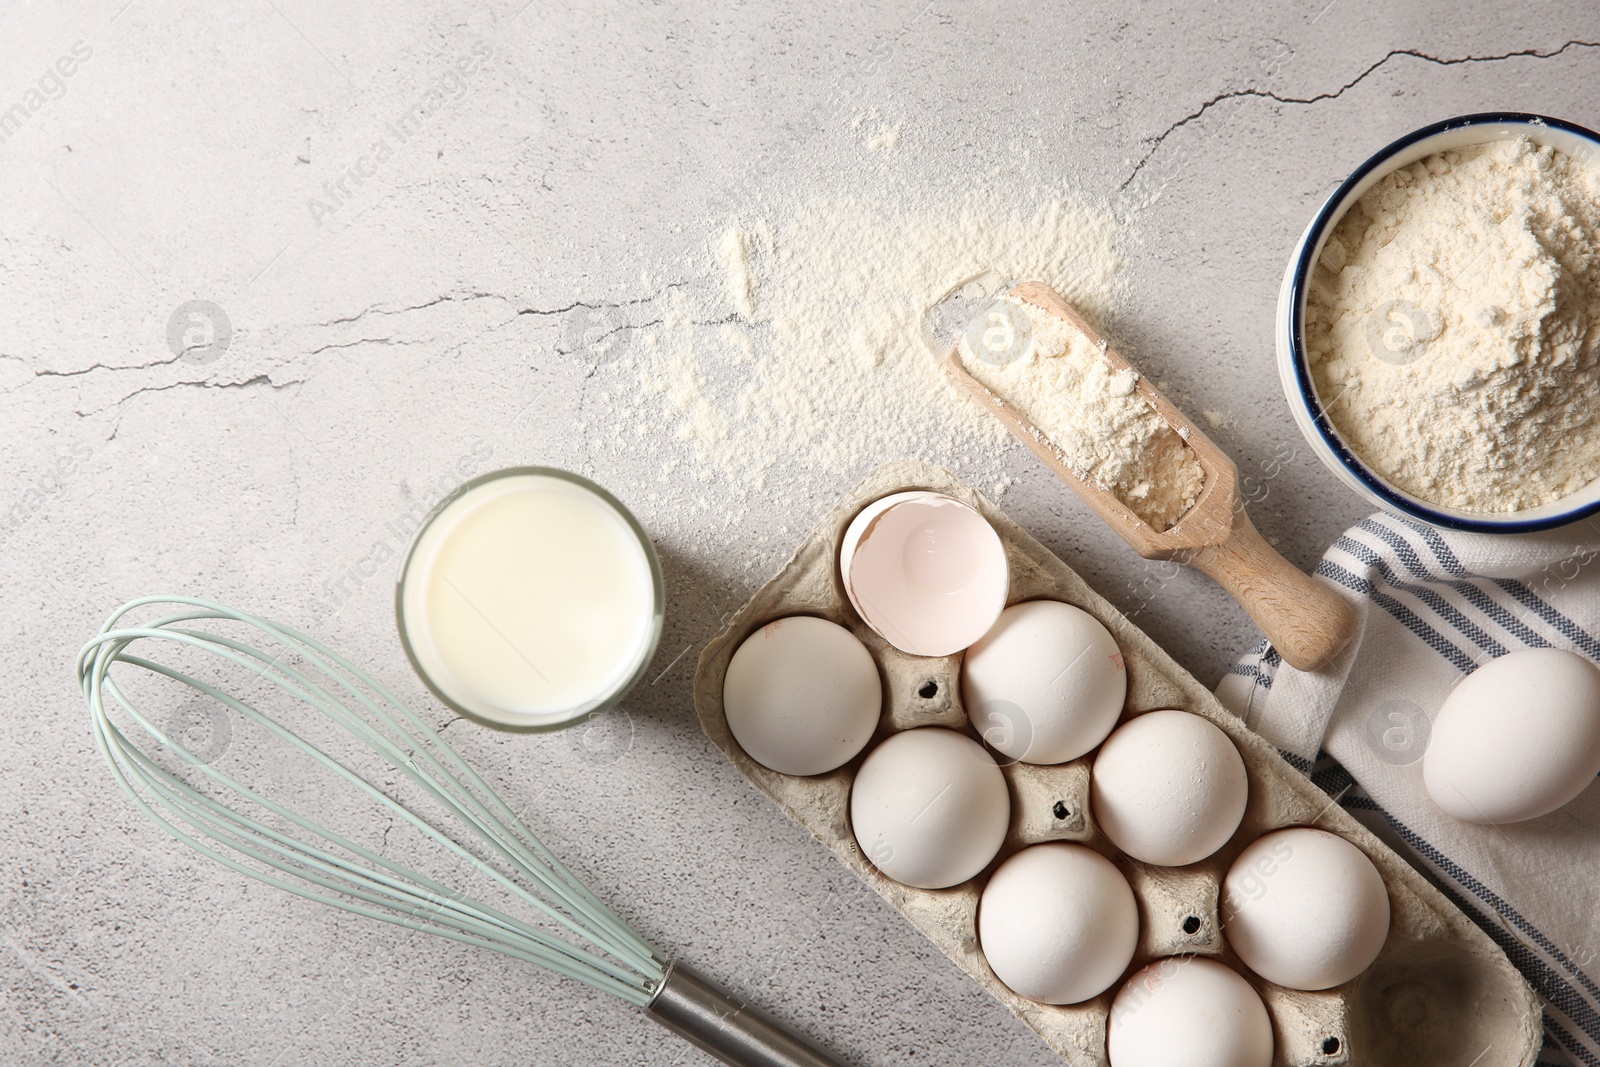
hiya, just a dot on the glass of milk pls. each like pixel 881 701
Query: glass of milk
pixel 530 599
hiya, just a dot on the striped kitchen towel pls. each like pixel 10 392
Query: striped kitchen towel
pixel 1435 605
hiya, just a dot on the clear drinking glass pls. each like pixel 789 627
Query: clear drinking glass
pixel 416 631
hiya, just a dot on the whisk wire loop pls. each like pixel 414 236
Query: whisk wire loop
pixel 371 885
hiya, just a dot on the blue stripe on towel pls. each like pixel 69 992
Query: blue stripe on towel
pixel 1331 777
pixel 1441 607
pixel 1404 615
pixel 1556 1034
pixel 1471 589
pixel 1473 592
pixel 1246 670
pixel 1562 625
pixel 1580 637
pixel 1436 544
pixel 1255 663
pixel 1299 763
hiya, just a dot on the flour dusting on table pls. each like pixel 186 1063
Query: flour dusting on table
pixel 809 352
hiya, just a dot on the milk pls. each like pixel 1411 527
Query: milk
pixel 529 600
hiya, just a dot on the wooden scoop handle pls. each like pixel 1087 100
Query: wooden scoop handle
pixel 1306 621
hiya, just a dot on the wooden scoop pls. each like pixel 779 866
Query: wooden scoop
pixel 1306 621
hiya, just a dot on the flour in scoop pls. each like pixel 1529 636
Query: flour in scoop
pixel 1090 410
pixel 1453 327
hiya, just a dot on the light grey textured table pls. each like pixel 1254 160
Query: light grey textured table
pixel 375 355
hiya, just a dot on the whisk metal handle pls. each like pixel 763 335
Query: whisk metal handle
pixel 733 1031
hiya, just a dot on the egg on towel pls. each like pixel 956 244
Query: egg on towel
pixel 1517 738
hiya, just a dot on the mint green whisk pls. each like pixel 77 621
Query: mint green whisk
pixel 269 840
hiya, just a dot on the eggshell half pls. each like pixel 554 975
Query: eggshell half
pixel 925 571
pixel 1517 738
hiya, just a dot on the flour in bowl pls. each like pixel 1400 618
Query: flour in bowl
pixel 1453 327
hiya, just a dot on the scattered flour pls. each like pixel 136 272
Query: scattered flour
pixel 1453 325
pixel 887 139
pixel 733 253
pixel 1090 410
pixel 808 357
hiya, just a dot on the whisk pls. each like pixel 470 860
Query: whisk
pixel 269 840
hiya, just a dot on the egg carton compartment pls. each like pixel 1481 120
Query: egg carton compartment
pixel 1440 991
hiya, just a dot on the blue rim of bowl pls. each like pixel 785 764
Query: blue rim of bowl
pixel 1302 368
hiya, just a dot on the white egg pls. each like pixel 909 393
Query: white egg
pixel 1168 788
pixel 1517 738
pixel 925 571
pixel 802 695
pixel 1188 1011
pixel 1058 923
pixel 1045 684
pixel 1305 909
pixel 929 807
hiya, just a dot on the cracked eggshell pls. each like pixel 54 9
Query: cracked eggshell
pixel 1046 683
pixel 1168 788
pixel 925 571
pixel 802 695
pixel 1517 738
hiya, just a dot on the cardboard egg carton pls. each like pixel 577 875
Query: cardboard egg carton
pixel 1440 992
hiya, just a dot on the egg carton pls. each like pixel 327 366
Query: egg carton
pixel 1440 992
